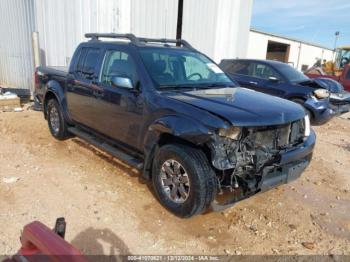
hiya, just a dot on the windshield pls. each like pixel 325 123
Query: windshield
pixel 181 68
pixel 292 74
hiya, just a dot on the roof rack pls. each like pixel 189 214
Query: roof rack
pixel 138 40
pixel 96 36
pixel 164 40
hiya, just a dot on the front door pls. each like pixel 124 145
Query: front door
pixel 119 110
pixel 267 79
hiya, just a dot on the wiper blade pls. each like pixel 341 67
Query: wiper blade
pixel 172 87
pixel 222 85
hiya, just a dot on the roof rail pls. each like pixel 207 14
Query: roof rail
pixel 164 40
pixel 138 40
pixel 95 36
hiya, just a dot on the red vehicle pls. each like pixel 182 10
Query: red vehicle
pixel 344 78
pixel 40 243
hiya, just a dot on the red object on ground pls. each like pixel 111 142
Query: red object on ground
pixel 40 243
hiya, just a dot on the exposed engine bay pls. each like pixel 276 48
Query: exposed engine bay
pixel 245 159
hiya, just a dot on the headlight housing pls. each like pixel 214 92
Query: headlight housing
pixel 321 93
pixel 233 132
pixel 307 126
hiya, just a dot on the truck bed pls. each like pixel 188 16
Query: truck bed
pixel 57 73
pixel 54 70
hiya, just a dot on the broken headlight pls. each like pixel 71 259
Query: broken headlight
pixel 321 93
pixel 307 126
pixel 233 132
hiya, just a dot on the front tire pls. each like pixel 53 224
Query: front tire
pixel 183 180
pixel 57 123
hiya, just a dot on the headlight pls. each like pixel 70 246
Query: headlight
pixel 232 132
pixel 321 93
pixel 307 126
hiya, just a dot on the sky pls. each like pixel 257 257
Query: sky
pixel 313 21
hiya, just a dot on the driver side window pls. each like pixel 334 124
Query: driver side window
pixel 118 63
pixel 194 68
pixel 264 71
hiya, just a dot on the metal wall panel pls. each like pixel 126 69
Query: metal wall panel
pixel 218 28
pixel 154 18
pixel 16 55
pixel 62 24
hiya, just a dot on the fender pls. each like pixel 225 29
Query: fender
pixel 180 127
pixel 53 87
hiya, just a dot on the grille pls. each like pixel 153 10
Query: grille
pixel 280 137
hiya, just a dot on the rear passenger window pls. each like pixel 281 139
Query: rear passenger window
pixel 240 68
pixel 88 61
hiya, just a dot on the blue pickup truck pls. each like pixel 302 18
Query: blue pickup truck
pixel 161 106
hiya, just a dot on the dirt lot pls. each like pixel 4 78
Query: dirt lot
pixel 110 211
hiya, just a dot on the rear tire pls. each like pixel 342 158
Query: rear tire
pixel 57 123
pixel 183 180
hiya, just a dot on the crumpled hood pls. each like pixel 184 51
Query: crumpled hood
pixel 330 84
pixel 324 83
pixel 241 106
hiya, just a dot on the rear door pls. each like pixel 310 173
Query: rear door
pixel 82 86
pixel 241 71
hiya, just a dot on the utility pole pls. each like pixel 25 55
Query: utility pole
pixel 336 39
pixel 179 19
pixel 335 43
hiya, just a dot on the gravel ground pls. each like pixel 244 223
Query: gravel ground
pixel 109 210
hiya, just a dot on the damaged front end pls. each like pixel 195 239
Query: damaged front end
pixel 255 159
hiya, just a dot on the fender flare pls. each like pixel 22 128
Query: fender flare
pixel 182 127
pixel 53 87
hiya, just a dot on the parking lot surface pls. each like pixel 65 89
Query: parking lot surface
pixel 109 210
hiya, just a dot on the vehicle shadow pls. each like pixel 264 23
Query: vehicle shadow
pixel 101 245
pixel 111 160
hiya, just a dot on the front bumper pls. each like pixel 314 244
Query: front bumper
pixel 321 111
pixel 340 103
pixel 290 167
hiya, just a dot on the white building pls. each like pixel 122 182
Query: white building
pixel 218 28
pixel 300 54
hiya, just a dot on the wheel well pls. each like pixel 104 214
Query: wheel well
pixel 301 99
pixel 165 139
pixel 49 95
pixel 297 98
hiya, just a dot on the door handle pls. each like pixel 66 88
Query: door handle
pixel 253 83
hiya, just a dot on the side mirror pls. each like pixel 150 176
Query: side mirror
pixel 123 82
pixel 274 79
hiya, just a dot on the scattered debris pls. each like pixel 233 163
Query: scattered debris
pixel 227 252
pixel 293 227
pixel 8 96
pixel 9 101
pixel 18 109
pixel 309 245
pixel 10 180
